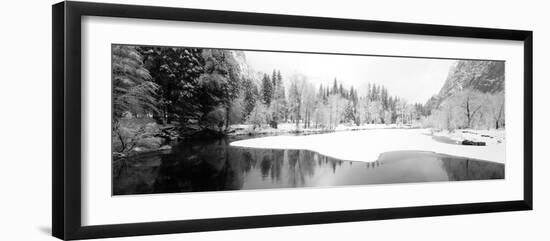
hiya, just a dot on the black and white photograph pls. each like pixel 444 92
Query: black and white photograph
pixel 192 119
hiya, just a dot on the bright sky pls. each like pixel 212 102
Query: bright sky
pixel 413 79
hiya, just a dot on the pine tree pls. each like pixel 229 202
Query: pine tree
pixel 176 71
pixel 280 85
pixel 280 108
pixel 267 90
pixel 384 97
pixel 251 95
pixel 274 80
pixel 334 87
pixel 369 90
pixel 295 99
pixel 375 92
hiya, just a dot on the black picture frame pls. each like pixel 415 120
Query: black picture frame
pixel 66 127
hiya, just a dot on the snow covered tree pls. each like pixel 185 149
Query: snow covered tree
pixel 221 82
pixel 278 102
pixel 309 100
pixel 259 115
pixel 133 90
pixel 336 105
pixel 387 117
pixel 363 110
pixel 469 103
pixel 267 90
pixel 349 112
pixel 295 95
pixel 375 110
pixel 334 89
pixel 251 96
pixel 274 80
pixel 176 72
pixel 134 94
pixel 496 109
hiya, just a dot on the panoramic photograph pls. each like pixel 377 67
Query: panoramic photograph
pixel 187 119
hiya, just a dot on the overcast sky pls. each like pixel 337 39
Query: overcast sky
pixel 413 79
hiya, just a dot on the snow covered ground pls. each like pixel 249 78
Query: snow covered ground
pixel 282 128
pixel 490 137
pixel 367 145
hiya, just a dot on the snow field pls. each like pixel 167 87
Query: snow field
pixel 367 145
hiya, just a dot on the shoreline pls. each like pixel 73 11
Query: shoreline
pixel 367 145
pixel 290 128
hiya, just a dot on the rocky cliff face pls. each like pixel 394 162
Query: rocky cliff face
pixel 240 57
pixel 483 76
pixel 245 70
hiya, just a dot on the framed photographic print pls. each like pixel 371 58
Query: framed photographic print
pixel 170 120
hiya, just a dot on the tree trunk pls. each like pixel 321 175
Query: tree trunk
pixel 468 115
pixel 122 143
pixel 227 109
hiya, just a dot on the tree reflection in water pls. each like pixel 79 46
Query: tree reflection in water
pixel 216 166
pixel 471 169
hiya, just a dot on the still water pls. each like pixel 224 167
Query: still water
pixel 216 166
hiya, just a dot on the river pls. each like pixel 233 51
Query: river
pixel 215 165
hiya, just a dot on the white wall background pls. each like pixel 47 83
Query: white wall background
pixel 25 122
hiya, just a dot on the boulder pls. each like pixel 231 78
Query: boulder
pixel 473 143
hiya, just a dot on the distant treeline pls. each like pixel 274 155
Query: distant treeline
pixel 323 106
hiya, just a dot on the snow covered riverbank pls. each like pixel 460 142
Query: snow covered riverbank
pixel 490 137
pixel 286 128
pixel 367 145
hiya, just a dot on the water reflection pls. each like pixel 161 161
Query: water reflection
pixel 216 166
